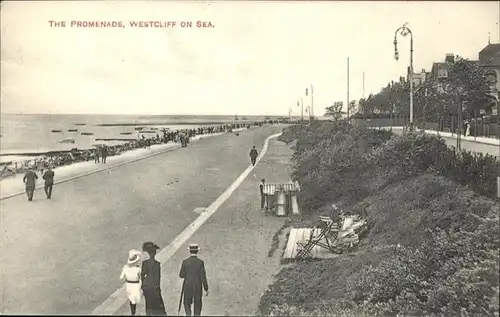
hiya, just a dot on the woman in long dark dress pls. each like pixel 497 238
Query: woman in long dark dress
pixel 150 275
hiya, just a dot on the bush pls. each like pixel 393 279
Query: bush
pixel 433 245
pixel 455 273
pixel 329 161
pixel 334 160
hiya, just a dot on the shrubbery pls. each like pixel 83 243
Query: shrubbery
pixel 455 273
pixel 335 160
pixel 433 246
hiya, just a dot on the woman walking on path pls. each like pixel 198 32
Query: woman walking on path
pixel 132 274
pixel 150 275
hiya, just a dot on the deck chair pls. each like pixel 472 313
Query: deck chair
pixel 327 240
pixel 306 248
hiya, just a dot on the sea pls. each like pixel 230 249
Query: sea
pixel 24 134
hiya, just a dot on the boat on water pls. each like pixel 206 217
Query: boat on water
pixel 138 128
pixel 79 123
pixel 126 133
pixel 67 141
pixel 87 133
pixel 72 130
pixel 56 131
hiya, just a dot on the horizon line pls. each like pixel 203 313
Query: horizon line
pixel 141 114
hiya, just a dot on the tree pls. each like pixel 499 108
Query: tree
pixel 394 96
pixel 335 111
pixel 352 109
pixel 465 90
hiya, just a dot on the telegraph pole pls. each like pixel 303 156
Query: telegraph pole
pixel 363 85
pixel 348 89
pixel 301 109
pixel 312 102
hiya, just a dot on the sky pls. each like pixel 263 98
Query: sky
pixel 257 59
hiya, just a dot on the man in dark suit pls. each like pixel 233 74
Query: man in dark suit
pixel 194 275
pixel 104 153
pixel 29 179
pixel 253 155
pixel 262 195
pixel 48 176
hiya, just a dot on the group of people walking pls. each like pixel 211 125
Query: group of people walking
pixel 143 279
pixel 100 154
pixel 30 178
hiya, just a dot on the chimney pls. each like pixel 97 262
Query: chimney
pixel 450 58
pixel 423 70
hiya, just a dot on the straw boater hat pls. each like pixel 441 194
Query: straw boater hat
pixel 134 257
pixel 194 247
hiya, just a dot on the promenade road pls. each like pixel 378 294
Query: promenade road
pixel 64 256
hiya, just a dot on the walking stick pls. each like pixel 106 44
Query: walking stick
pixel 180 300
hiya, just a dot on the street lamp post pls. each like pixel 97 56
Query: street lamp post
pixel 311 112
pixel 404 31
pixel 301 109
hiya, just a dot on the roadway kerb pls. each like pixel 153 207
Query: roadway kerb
pixel 109 167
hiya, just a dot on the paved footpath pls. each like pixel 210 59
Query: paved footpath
pixel 234 243
pixel 482 145
pixel 64 256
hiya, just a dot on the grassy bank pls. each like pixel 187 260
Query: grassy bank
pixel 433 243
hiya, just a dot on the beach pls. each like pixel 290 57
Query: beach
pixel 118 134
pixel 12 186
pixel 33 132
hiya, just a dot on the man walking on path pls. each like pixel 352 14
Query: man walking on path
pixel 262 195
pixel 48 176
pixel 104 154
pixel 253 155
pixel 29 179
pixel 96 155
pixel 194 275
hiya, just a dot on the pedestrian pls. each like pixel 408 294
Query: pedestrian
pixel 48 176
pixel 29 179
pixel 195 277
pixel 466 128
pixel 150 276
pixel 104 153
pixel 96 155
pixel 131 272
pixel 262 195
pixel 253 155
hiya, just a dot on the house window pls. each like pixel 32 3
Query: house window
pixel 491 78
pixel 442 73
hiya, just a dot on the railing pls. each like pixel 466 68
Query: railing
pixel 489 130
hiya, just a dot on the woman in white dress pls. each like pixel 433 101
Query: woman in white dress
pixel 132 274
